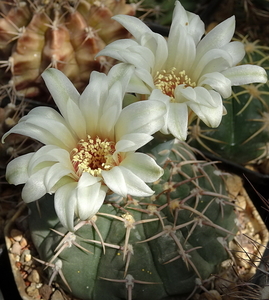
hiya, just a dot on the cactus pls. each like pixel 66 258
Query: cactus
pixel 61 34
pixel 148 248
pixel 246 124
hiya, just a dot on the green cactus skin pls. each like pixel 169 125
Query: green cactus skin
pixel 243 135
pixel 149 248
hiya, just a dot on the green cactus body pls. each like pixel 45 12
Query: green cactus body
pixel 65 35
pixel 243 134
pixel 148 248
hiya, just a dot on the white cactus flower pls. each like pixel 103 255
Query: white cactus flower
pixel 192 74
pixel 89 146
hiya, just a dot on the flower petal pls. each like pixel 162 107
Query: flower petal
pixel 65 202
pixel 17 169
pixel 123 182
pixel 210 115
pixel 158 46
pixel 215 60
pixel 245 74
pixel 47 156
pixel 177 120
pixel 135 185
pixel 182 50
pixel 54 174
pixel 142 166
pixel 190 21
pixel 135 54
pixel 61 88
pixel 75 118
pixel 141 117
pixel 34 187
pixel 135 26
pixel 217 37
pixel 218 82
pixel 115 180
pixel 90 198
pixel 111 111
pixel 45 125
pixel 236 50
pixel 120 73
pixel 132 142
pixel 92 100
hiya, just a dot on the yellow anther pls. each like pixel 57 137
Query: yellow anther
pixel 93 156
pixel 167 81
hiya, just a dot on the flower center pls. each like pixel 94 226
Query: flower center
pixel 168 81
pixel 93 156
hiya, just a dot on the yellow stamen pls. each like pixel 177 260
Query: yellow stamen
pixel 93 156
pixel 167 81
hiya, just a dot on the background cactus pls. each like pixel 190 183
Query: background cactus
pixel 65 34
pixel 243 135
pixel 150 248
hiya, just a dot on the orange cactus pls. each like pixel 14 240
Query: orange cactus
pixel 65 35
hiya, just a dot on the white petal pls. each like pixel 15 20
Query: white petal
pixel 86 179
pixel 92 100
pixel 196 27
pixel 34 187
pixel 141 82
pixel 158 95
pixel 141 117
pixel 75 118
pixel 90 199
pixel 217 37
pixel 143 166
pixel 182 50
pixel 236 50
pixel 158 46
pixel 136 54
pixel 65 202
pixel 122 182
pixel 139 56
pixel 54 174
pixel 115 180
pixel 60 87
pixel 135 26
pixel 214 60
pixel 111 111
pixel 198 95
pixel 47 131
pixel 138 86
pixel 218 82
pixel 115 48
pixel 246 74
pixel 210 115
pixel 17 169
pixel 135 185
pixel 132 142
pixel 177 120
pixel 47 156
pixel 192 22
pixel 120 73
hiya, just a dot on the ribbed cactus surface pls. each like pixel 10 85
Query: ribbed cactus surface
pixel 143 248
